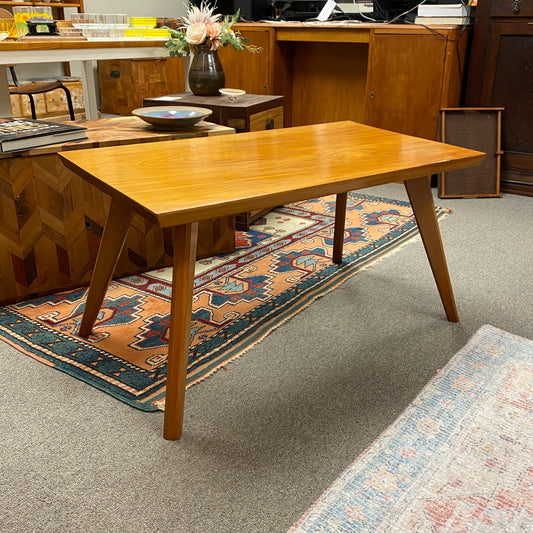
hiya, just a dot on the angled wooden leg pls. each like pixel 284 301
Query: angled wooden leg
pixel 113 238
pixel 419 191
pixel 185 238
pixel 340 221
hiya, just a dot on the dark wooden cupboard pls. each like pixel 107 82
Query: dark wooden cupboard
pixel 501 75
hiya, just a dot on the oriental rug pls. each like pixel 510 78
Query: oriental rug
pixel 279 267
pixel 459 458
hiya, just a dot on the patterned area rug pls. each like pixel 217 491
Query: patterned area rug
pixel 459 459
pixel 280 266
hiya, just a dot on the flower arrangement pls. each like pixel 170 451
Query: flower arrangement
pixel 203 27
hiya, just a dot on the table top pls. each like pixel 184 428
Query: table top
pixel 116 131
pixel 41 51
pixel 66 44
pixel 177 182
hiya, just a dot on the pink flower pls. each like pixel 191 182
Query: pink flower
pixel 196 33
pixel 203 14
pixel 213 33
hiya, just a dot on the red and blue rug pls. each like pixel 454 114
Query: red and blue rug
pixel 279 267
pixel 459 458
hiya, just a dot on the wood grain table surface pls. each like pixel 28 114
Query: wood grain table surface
pixel 235 173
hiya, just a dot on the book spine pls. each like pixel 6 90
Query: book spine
pixel 443 10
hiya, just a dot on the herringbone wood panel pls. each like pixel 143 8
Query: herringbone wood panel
pixel 51 221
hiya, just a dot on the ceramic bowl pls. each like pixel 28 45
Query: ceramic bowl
pixel 172 117
pixel 232 94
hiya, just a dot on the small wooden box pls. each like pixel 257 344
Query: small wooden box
pixel 478 128
pixel 251 112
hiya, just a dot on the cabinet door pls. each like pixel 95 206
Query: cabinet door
pixel 508 83
pixel 405 82
pixel 246 70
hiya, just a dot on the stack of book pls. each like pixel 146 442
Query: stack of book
pixel 460 14
pixel 22 133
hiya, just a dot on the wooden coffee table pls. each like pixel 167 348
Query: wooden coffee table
pixel 226 175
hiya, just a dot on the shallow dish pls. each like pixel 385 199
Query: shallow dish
pixel 232 94
pixel 172 117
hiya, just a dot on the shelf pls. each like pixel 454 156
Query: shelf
pixel 37 4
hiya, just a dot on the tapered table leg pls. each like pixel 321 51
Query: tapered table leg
pixel 185 238
pixel 113 238
pixel 340 222
pixel 419 191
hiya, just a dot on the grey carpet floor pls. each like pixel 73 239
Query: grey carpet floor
pixel 265 437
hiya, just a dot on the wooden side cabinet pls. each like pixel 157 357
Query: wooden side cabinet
pixel 244 70
pixel 251 112
pixel 500 75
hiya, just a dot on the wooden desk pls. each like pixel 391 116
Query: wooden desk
pixel 83 51
pixel 51 220
pixel 392 76
pixel 227 175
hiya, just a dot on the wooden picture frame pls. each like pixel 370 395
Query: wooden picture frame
pixel 478 128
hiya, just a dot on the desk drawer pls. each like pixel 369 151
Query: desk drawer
pixel 265 120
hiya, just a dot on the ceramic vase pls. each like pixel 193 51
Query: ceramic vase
pixel 206 75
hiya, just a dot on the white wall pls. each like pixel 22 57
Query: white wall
pixel 137 8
